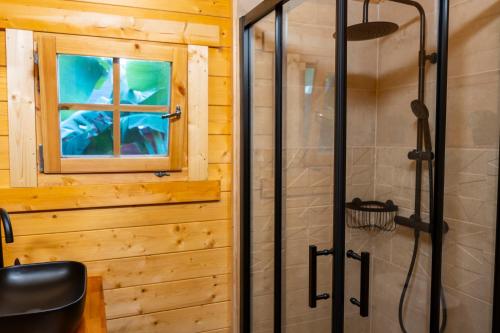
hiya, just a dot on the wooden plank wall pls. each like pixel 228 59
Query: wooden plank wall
pixel 165 268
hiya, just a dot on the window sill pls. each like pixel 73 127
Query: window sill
pixel 108 195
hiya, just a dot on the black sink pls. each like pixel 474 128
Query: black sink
pixel 42 298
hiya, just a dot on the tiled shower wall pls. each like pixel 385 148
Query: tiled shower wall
pixel 471 168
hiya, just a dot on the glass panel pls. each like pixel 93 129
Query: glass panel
pixel 381 131
pixel 471 165
pixel 262 210
pixel 144 133
pixel 145 82
pixel 86 133
pixel 308 160
pixel 85 80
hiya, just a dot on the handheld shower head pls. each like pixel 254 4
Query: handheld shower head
pixel 419 109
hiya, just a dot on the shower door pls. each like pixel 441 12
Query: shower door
pixel 288 165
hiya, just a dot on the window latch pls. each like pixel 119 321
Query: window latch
pixel 175 115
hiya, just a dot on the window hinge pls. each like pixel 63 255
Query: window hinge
pixel 35 57
pixel 40 158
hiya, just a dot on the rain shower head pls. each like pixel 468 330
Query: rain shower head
pixel 370 30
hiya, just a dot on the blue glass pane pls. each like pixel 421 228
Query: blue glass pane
pixel 145 82
pixel 86 133
pixel 144 133
pixel 85 80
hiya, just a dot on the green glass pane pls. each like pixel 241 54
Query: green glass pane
pixel 86 133
pixel 84 79
pixel 145 82
pixel 144 133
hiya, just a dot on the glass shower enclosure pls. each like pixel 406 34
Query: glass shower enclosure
pixel 329 165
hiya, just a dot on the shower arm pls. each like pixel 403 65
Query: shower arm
pixel 422 57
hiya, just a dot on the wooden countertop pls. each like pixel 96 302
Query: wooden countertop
pixel 94 316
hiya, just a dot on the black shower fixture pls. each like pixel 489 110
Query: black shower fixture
pixel 423 151
pixel 370 30
pixel 420 110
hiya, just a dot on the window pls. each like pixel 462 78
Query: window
pixel 111 105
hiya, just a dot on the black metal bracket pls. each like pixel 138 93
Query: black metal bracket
pixel 419 225
pixel 432 58
pixel 364 285
pixel 313 275
pixel 416 155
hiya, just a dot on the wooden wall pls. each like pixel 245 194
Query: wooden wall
pixel 167 267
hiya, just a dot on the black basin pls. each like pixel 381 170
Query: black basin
pixel 42 298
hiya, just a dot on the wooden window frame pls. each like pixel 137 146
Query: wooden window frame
pixel 49 45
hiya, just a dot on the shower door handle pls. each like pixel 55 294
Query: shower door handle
pixel 313 275
pixel 364 284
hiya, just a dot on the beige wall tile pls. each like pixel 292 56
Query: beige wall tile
pixel 473 107
pixel 398 60
pixel 396 123
pixel 467 314
pixel 361 117
pixel 474 37
pixel 468 258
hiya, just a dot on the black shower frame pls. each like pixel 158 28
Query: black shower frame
pixel 246 22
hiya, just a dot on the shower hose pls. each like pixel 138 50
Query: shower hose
pixel 412 266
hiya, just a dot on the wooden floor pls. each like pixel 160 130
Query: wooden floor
pixel 94 316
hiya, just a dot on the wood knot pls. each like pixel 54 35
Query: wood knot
pixel 182 90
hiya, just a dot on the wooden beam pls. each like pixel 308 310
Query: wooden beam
pixel 219 61
pixel 120 243
pixel 4 153
pixel 197 112
pixel 133 301
pixel 220 149
pixel 236 189
pixel 107 195
pixel 4 179
pixel 215 172
pixel 28 223
pixel 4 122
pixel 3 61
pixel 114 48
pixel 136 271
pixel 50 127
pixel 187 320
pixel 88 19
pixel 21 108
pixel 220 120
pixel 221 330
pixel 219 91
pixel 3 83
pixel 220 8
